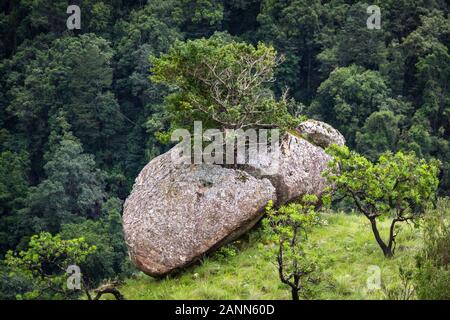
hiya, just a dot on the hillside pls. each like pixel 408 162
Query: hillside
pixel 240 271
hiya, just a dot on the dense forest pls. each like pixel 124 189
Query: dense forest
pixel 79 116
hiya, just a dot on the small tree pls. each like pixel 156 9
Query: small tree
pixel 45 262
pixel 399 186
pixel 288 227
pixel 223 83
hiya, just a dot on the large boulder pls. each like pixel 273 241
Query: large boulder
pixel 320 133
pixel 295 170
pixel 176 213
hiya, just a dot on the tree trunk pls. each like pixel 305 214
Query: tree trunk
pixel 295 287
pixel 108 288
pixel 295 296
pixel 387 250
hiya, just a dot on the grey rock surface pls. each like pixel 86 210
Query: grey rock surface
pixel 295 171
pixel 320 133
pixel 176 213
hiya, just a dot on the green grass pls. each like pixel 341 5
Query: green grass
pixel 348 249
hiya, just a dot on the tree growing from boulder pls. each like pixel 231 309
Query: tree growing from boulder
pixel 398 186
pixel 288 228
pixel 223 83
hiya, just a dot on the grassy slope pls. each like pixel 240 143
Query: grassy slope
pixel 348 247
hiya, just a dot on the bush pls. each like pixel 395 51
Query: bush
pixel 45 264
pixel 433 274
pixel 287 228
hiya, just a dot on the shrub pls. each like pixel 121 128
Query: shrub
pixel 223 83
pixel 433 275
pixel 45 262
pixel 287 228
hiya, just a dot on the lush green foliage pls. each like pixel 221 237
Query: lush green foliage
pixel 348 97
pixel 110 259
pixel 73 186
pixel 13 193
pixel 288 228
pixel 223 83
pixel 46 261
pixel 398 186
